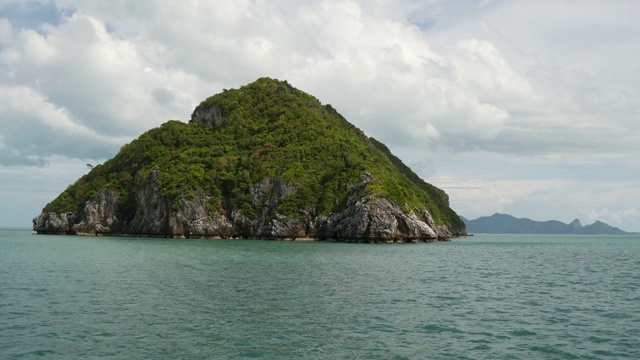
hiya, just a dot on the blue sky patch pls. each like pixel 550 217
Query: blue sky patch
pixel 33 15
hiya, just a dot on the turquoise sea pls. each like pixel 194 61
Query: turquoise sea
pixel 482 297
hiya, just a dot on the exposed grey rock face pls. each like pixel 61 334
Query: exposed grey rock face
pixel 98 214
pixel 54 223
pixel 208 117
pixel 364 218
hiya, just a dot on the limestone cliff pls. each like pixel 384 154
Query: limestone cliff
pixel 266 161
pixel 363 220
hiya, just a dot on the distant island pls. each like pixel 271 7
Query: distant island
pixel 265 161
pixel 507 224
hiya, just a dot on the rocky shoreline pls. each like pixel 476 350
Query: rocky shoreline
pixel 364 219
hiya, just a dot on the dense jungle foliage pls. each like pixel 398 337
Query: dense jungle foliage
pixel 268 129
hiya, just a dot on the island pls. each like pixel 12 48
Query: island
pixel 507 224
pixel 265 161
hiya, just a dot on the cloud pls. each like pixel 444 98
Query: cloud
pixel 78 90
pixel 545 200
pixel 137 64
pixel 611 201
pixel 575 70
pixel 628 219
pixel 25 190
pixel 34 128
pixel 518 85
pixel 478 197
pixel 392 82
pixel 376 70
pixel 120 68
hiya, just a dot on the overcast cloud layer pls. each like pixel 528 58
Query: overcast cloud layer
pixel 528 108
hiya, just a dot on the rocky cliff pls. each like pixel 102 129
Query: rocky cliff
pixel 363 220
pixel 266 161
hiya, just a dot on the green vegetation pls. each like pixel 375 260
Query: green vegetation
pixel 269 129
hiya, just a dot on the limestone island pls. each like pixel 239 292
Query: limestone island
pixel 265 161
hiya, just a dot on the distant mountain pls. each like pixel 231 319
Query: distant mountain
pixel 507 224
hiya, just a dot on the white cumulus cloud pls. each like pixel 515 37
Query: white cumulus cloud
pixel 517 85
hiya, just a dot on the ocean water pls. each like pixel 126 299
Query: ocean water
pixel 482 297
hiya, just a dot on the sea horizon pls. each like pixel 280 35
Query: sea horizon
pixel 479 297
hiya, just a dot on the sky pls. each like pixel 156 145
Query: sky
pixel 528 108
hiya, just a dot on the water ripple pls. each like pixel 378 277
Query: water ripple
pixel 477 298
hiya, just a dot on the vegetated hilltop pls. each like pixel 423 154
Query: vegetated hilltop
pixel 507 224
pixel 263 161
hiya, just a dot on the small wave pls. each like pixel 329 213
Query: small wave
pixel 37 353
pixel 435 329
pixel 556 353
pixel 598 340
pixel 523 333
